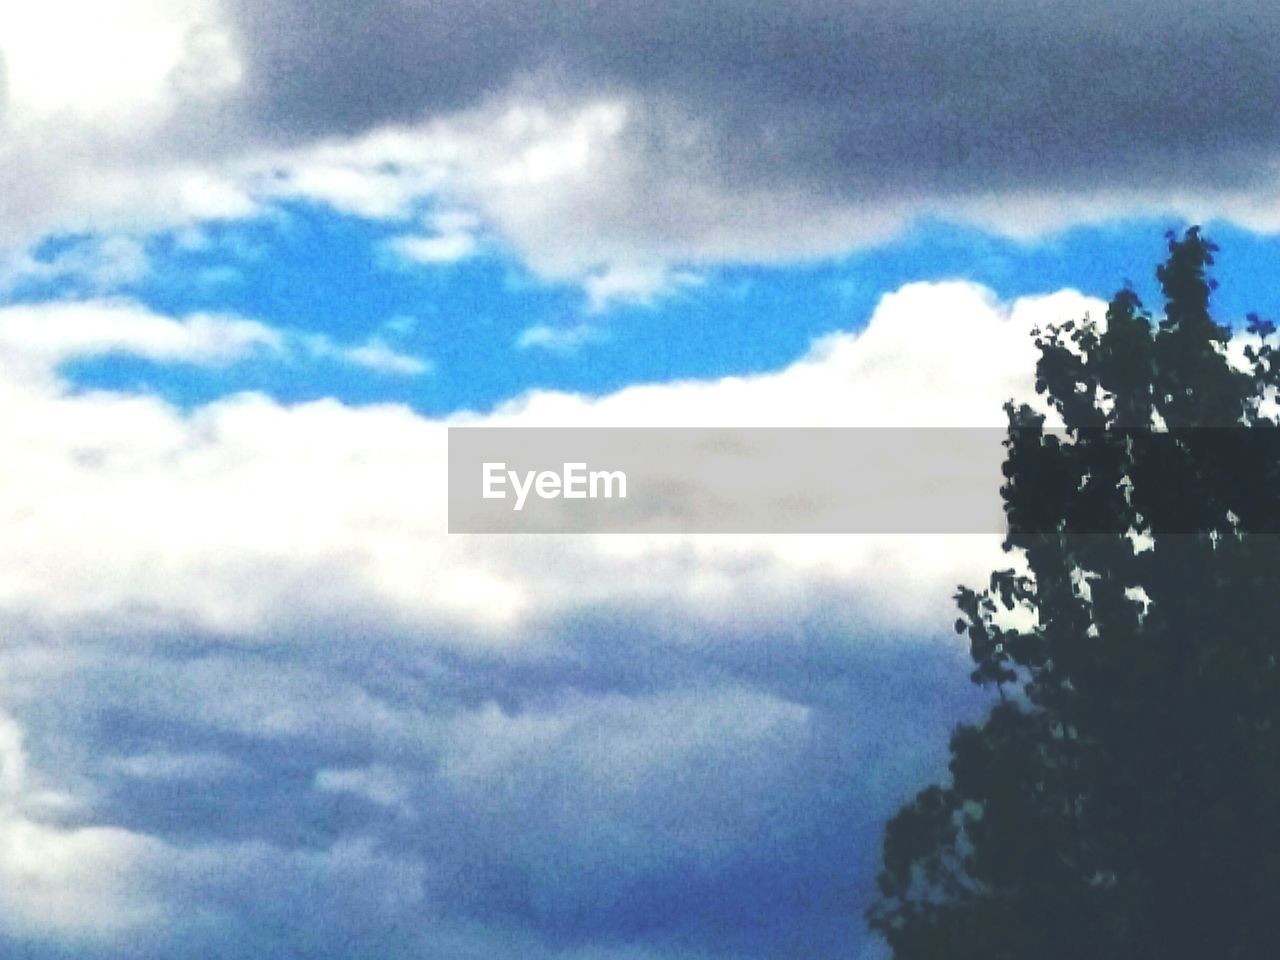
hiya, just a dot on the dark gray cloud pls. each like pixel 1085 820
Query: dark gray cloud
pixel 397 802
pixel 864 99
pixel 671 134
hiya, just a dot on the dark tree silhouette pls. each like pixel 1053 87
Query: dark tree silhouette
pixel 1122 800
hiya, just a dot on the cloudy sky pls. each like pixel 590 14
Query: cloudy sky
pixel 256 257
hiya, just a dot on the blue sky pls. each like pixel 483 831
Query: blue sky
pixel 309 270
pixel 255 258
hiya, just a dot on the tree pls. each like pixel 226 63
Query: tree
pixel 1122 799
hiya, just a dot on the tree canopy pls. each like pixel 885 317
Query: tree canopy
pixel 1122 799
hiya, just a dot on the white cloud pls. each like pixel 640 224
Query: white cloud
pixel 383 174
pixel 445 248
pixel 562 339
pixel 111 117
pixel 374 354
pixel 99 265
pixel 583 191
pixel 249 516
pixel 634 283
pixel 36 338
pixel 452 238
pixel 598 192
pixel 105 66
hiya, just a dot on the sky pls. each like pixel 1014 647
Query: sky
pixel 255 258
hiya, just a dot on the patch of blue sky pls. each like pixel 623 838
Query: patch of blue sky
pixel 310 272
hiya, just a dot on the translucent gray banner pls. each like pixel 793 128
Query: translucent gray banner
pixel 713 480
pixel 863 480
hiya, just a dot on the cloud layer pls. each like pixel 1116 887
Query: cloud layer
pixel 255 701
pixel 866 99
pixel 305 717
pixel 620 140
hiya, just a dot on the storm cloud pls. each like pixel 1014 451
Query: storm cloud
pixel 867 99
pixel 615 140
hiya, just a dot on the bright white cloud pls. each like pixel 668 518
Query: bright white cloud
pixel 102 65
pixel 374 354
pixel 249 516
pixel 634 282
pixel 37 338
pixel 563 339
pixel 109 117
pixel 444 248
pixel 452 238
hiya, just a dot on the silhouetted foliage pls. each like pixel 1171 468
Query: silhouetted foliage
pixel 1122 800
